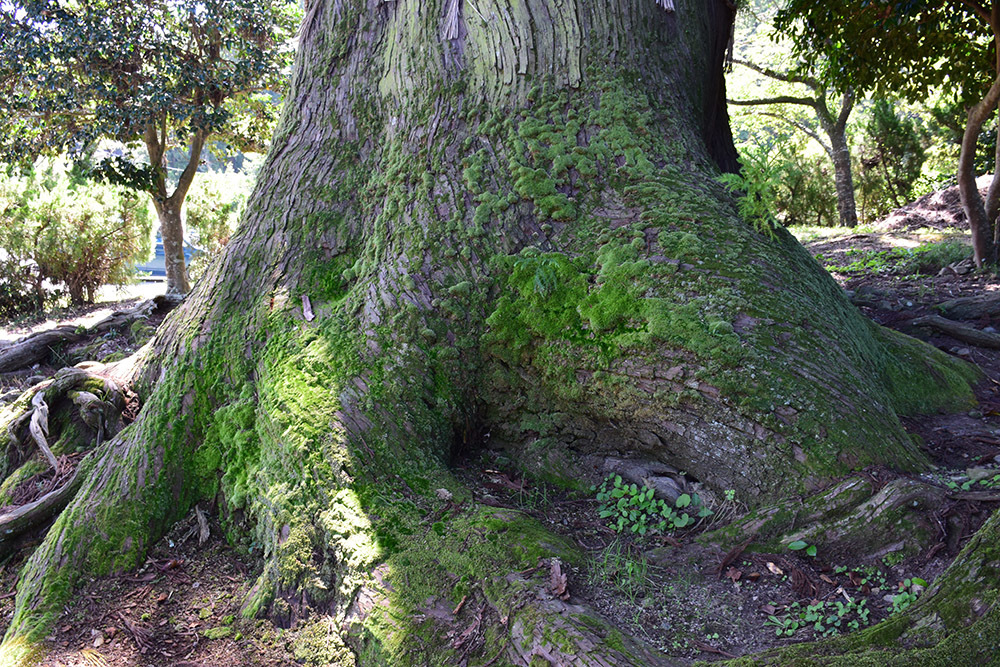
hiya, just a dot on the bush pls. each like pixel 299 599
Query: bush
pixel 892 157
pixel 778 175
pixel 57 227
pixel 213 207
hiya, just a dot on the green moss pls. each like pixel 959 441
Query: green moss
pixel 220 632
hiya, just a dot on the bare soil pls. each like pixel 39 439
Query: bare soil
pixel 691 601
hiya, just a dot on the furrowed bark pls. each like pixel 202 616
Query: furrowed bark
pixel 983 249
pixel 513 238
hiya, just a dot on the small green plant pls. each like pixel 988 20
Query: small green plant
pixel 633 508
pixel 823 618
pixel 909 590
pixel 799 545
pixel 756 187
pixel 617 568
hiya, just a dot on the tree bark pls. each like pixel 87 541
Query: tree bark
pixel 514 238
pixel 840 154
pixel 972 202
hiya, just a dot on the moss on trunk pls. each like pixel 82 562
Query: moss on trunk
pixel 517 232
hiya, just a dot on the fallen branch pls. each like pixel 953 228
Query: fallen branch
pixel 37 347
pixel 971 307
pixel 28 516
pixel 962 332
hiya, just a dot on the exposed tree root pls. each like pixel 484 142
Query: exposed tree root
pixel 83 420
pixel 959 331
pixel 971 307
pixel 37 347
pixel 24 518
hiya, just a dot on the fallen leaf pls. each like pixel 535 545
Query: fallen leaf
pixel 769 609
pixel 733 574
pixel 774 569
pixel 161 598
pixel 753 576
pixel 557 580
pixel 827 579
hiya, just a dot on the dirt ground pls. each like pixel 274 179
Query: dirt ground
pixel 694 602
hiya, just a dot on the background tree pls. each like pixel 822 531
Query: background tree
pixel 482 218
pixel 907 47
pixel 834 125
pixel 150 73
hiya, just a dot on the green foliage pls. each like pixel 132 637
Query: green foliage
pixel 756 186
pixel 909 590
pixel 213 208
pixel 927 259
pixel 892 156
pixel 73 73
pixel 903 46
pixel 825 619
pixel 799 545
pixel 632 508
pixel 56 227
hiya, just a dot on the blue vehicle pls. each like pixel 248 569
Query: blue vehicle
pixel 157 266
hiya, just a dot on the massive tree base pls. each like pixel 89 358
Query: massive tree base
pixel 510 235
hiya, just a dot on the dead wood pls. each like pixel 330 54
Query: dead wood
pixel 37 347
pixel 959 331
pixel 24 518
pixel 39 428
pixel 971 307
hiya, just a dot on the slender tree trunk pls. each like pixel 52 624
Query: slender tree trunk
pixel 172 234
pixel 168 206
pixel 505 233
pixel 993 194
pixel 840 154
pixel 972 202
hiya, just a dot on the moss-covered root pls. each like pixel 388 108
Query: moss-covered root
pixel 956 622
pixel 854 518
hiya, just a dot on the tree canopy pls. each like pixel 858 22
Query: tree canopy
pixel 908 46
pixel 163 73
pixel 903 46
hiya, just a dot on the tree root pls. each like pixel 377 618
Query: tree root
pixel 970 307
pixel 37 347
pixel 22 519
pixel 962 332
pixel 857 517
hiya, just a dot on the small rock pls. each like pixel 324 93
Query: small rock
pixel 32 380
pixel 444 494
pixel 989 330
pixel 963 352
pixel 909 304
pixel 997 458
pixel 975 414
pixel 977 474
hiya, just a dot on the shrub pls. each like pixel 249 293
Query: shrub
pixel 57 227
pixel 213 207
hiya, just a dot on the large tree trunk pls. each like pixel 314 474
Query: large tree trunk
pixel 483 223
